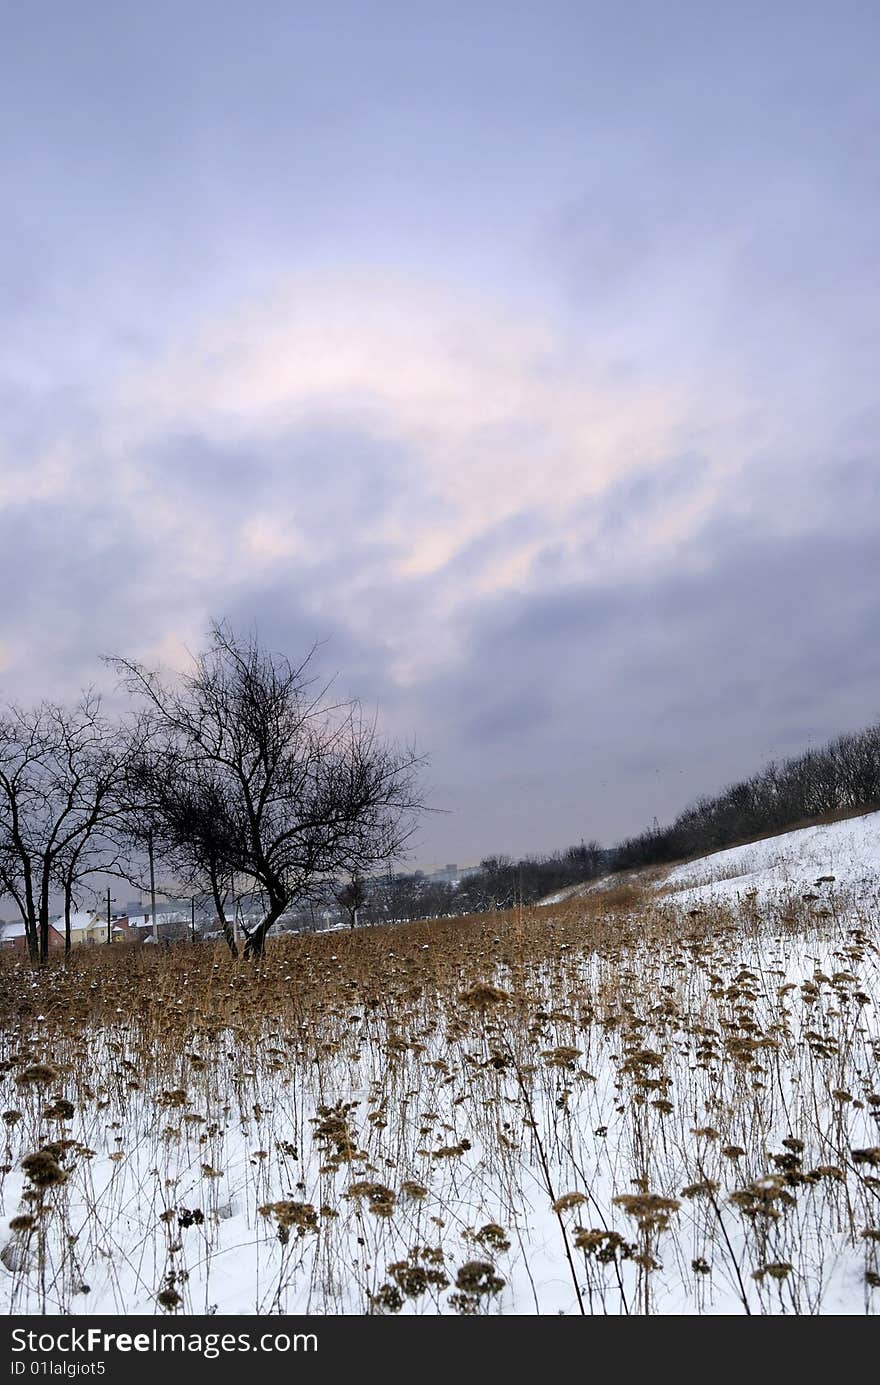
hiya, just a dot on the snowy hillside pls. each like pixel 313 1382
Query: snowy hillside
pixel 665 1115
pixel 834 861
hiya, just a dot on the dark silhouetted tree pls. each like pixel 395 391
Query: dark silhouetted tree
pixel 352 897
pixel 253 772
pixel 60 773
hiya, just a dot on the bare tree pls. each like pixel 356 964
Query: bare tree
pixel 253 772
pixel 59 773
pixel 175 811
pixel 352 897
pixel 86 856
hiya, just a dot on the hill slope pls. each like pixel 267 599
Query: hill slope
pixel 833 860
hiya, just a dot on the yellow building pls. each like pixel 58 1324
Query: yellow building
pixel 88 928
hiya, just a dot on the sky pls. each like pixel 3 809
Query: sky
pixel 522 355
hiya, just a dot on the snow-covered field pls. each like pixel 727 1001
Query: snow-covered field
pixel 548 1112
pixel 837 862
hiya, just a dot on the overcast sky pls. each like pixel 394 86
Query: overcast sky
pixel 526 354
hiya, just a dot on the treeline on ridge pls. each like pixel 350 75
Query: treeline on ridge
pixel 843 775
pixel 500 882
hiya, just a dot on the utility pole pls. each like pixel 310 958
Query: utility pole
pixel 152 886
pixel 109 925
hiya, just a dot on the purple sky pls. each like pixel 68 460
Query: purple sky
pixel 525 354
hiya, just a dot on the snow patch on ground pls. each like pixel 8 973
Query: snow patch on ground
pixel 828 861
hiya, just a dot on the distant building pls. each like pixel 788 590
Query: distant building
pixel 172 925
pixel 14 939
pixel 91 928
pixel 85 928
pixel 450 874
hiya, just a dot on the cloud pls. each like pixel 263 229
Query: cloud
pixel 588 596
pixel 357 436
pixel 588 711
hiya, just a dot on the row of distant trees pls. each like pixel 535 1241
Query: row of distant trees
pixel 500 882
pixel 843 775
pixel 244 772
pixel 246 775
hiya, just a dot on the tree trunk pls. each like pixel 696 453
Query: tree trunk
pixel 33 940
pixel 152 888
pixel 228 930
pixel 229 934
pixel 29 918
pixel 256 942
pixel 44 932
pixel 67 901
pixel 43 916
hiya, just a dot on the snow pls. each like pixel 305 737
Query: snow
pixel 559 896
pixel 774 869
pixel 80 918
pixel 753 1034
pixel 790 866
